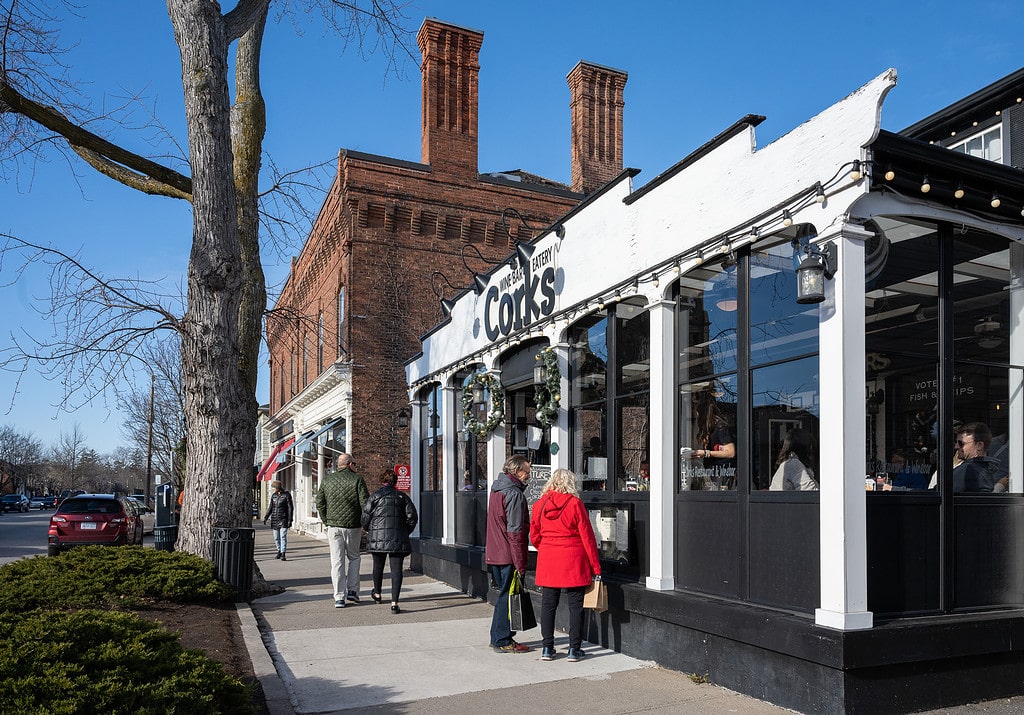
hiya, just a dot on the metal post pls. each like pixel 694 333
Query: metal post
pixel 149 440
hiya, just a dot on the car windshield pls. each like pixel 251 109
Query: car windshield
pixel 90 506
pixel 11 497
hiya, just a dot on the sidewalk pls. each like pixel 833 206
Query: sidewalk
pixel 434 656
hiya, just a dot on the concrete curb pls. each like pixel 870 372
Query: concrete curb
pixel 274 691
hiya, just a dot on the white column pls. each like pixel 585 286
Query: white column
pixel 449 446
pixel 842 531
pixel 663 392
pixel 496 445
pixel 560 427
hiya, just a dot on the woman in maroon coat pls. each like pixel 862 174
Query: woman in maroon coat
pixel 566 558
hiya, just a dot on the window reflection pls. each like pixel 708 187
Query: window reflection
pixel 785 398
pixel 780 328
pixel 708 434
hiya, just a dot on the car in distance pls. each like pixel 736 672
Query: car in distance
pixel 145 513
pixel 94 519
pixel 36 503
pixel 68 493
pixel 14 502
pixel 49 502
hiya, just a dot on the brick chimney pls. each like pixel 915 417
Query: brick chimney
pixel 451 96
pixel 596 105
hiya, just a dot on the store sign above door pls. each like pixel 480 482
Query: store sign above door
pixel 523 296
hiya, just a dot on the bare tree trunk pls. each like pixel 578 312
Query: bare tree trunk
pixel 218 407
pixel 248 127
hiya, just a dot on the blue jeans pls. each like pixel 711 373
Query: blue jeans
pixel 501 629
pixel 281 539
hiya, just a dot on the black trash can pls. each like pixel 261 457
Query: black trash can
pixel 234 550
pixel 164 537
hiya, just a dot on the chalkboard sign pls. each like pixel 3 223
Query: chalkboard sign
pixel 539 476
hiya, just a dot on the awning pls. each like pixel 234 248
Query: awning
pixel 272 463
pixel 306 439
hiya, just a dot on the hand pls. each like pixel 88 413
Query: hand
pixel 597 577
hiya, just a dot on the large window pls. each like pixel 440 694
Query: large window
pixel 431 462
pixel 748 412
pixel 945 411
pixel 610 383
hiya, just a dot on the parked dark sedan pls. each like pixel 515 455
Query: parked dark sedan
pixel 14 502
pixel 94 519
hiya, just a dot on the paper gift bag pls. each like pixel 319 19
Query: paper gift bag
pixel 520 607
pixel 596 597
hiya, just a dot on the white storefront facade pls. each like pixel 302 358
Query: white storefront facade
pixel 678 359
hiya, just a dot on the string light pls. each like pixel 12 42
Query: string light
pixel 819 194
pixel 855 172
pixel 654 280
pixel 889 173
pixel 925 185
pixel 995 202
pixel 959 193
pixel 787 218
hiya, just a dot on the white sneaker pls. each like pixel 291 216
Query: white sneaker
pixel 340 603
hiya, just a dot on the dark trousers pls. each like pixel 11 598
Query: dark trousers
pixel 501 629
pixel 548 607
pixel 396 572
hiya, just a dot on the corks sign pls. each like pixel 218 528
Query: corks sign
pixel 523 296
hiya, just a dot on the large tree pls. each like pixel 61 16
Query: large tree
pixel 226 295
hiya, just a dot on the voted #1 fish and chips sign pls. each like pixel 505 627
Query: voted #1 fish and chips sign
pixel 523 296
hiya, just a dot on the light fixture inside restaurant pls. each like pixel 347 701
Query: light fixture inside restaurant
pixel 812 272
pixel 725 287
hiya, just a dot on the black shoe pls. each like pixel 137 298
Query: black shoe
pixel 375 596
pixel 576 655
pixel 395 608
pixel 547 653
pixel 353 596
pixel 283 557
pixel 278 555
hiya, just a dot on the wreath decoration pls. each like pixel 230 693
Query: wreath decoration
pixel 496 413
pixel 545 394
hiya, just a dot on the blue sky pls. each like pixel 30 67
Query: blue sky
pixel 694 68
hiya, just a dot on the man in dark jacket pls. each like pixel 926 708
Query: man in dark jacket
pixel 508 532
pixel 339 502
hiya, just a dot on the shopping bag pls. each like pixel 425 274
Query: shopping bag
pixel 596 597
pixel 520 607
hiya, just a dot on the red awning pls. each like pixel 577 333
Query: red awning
pixel 271 465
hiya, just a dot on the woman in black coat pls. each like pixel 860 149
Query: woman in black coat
pixel 388 517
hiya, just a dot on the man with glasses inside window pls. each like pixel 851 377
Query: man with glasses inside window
pixel 978 472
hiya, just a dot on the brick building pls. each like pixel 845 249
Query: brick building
pixel 392 237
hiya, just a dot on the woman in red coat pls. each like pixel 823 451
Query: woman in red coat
pixel 566 558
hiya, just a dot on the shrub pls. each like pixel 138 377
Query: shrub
pixel 89 661
pixel 119 578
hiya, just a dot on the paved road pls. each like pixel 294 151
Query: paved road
pixel 23 534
